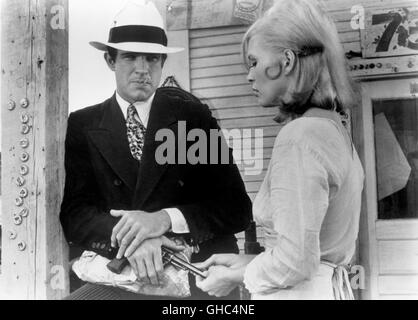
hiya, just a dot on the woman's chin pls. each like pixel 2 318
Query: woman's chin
pixel 267 103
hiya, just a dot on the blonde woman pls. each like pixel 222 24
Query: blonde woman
pixel 309 203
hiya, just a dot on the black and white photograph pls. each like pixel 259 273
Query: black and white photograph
pixel 226 151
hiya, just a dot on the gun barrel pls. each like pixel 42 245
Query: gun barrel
pixel 169 256
pixel 182 263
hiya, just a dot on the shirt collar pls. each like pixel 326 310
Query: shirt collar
pixel 142 107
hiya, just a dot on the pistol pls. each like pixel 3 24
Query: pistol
pixel 169 257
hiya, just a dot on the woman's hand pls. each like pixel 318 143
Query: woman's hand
pixel 225 273
pixel 228 260
pixel 220 280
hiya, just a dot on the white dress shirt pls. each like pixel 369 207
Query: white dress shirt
pixel 178 222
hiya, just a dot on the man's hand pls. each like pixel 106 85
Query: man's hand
pixel 146 260
pixel 136 226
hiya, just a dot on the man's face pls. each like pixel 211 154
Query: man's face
pixel 138 75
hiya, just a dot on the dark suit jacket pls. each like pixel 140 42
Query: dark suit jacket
pixel 101 175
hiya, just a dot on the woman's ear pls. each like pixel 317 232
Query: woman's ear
pixel 289 61
pixel 109 60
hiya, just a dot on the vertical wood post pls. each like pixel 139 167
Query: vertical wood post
pixel 34 67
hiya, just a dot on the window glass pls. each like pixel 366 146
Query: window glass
pixel 396 141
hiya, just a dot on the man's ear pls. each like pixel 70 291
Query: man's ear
pixel 289 62
pixel 109 60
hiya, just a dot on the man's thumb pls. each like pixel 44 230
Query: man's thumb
pixel 172 245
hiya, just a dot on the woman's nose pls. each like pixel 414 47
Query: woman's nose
pixel 250 77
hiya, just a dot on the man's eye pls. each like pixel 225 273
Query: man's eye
pixel 129 57
pixel 153 58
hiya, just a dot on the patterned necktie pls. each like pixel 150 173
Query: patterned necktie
pixel 136 133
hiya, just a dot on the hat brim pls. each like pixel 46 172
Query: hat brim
pixel 135 47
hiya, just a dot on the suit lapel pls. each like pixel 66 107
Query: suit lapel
pixel 111 140
pixel 161 117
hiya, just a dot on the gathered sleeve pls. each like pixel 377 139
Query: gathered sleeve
pixel 299 194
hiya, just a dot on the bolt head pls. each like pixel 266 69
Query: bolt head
pixel 24 103
pixel 21 246
pixel 11 105
pixel 12 234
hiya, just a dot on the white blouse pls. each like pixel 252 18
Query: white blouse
pixel 309 204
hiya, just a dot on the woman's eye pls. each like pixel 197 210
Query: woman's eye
pixel 252 64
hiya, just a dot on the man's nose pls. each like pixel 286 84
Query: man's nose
pixel 141 64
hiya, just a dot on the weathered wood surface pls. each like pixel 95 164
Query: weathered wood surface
pixel 397 230
pixel 398 257
pixel 34 66
pixel 199 14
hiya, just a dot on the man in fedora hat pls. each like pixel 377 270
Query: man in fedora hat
pixel 118 201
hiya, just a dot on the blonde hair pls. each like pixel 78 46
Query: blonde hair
pixel 321 73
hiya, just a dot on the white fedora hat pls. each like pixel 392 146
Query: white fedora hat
pixel 138 27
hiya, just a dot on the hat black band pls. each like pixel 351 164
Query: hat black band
pixel 131 33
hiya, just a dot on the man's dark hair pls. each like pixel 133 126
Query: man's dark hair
pixel 114 52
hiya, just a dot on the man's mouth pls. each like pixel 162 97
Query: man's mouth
pixel 141 82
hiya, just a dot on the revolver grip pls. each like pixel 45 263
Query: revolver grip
pixel 117 265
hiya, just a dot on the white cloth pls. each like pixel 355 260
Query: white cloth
pixel 309 205
pixel 318 288
pixel 178 222
pixel 91 267
pixel 393 169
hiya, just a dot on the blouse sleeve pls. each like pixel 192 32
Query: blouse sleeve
pixel 299 192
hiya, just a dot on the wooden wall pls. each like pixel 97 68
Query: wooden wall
pixel 35 68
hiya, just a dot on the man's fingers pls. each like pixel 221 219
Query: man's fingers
pixel 134 266
pixel 142 270
pixel 134 245
pixel 171 244
pixel 115 231
pixel 152 275
pixel 125 242
pixel 158 264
